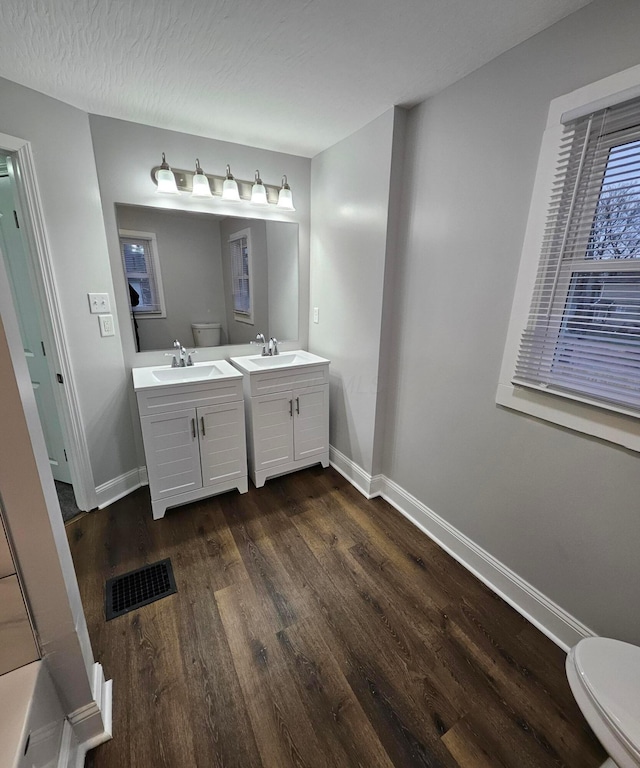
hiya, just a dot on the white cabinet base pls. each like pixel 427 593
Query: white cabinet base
pixel 160 506
pixel 259 478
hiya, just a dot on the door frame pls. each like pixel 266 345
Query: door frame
pixel 39 255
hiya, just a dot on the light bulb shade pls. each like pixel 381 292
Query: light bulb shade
pixel 259 195
pixel 201 186
pixel 167 182
pixel 285 199
pixel 230 188
pixel 230 191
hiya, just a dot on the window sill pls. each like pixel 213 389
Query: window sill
pixel 590 420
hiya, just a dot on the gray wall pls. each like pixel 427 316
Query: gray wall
pixel 68 185
pixel 559 508
pixel 282 247
pixel 125 153
pixel 191 269
pixel 239 332
pixel 350 184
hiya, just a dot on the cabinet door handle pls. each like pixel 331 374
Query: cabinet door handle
pixel 290 407
pixel 298 405
pixel 202 422
pixel 193 428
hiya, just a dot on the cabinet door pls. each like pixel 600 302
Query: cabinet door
pixel 172 452
pixel 311 422
pixel 272 429
pixel 223 450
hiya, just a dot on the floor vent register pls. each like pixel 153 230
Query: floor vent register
pixel 140 587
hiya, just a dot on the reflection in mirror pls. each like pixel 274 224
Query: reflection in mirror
pixel 207 280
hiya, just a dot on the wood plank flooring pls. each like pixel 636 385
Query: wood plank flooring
pixel 313 628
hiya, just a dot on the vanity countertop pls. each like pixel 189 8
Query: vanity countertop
pixel 263 363
pixel 154 376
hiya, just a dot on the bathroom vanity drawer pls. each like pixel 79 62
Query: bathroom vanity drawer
pixel 17 644
pixel 270 382
pixel 181 396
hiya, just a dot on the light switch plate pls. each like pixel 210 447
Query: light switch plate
pixel 316 314
pixel 99 303
pixel 106 325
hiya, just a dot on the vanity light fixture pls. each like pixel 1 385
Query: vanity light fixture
pixel 200 186
pixel 285 198
pixel 166 180
pixel 259 192
pixel 230 188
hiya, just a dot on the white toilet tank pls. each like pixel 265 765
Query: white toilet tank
pixel 206 334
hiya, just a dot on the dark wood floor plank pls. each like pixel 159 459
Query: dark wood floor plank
pixel 313 627
pixel 346 735
pixel 281 727
pixel 270 580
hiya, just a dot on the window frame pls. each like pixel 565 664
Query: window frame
pixel 238 315
pixel 150 237
pixel 567 410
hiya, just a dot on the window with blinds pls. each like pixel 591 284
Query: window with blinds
pixel 142 270
pixel 582 338
pixel 240 251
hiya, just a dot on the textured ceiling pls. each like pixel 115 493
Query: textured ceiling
pixel 289 75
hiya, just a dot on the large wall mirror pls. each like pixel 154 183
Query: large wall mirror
pixel 205 279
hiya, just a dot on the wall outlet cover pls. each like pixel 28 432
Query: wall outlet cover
pixel 99 303
pixel 106 325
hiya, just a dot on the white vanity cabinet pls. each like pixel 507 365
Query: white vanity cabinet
pixel 194 435
pixel 287 410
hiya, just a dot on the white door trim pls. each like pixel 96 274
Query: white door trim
pixel 40 255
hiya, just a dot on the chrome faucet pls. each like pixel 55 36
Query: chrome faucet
pixel 260 339
pixel 180 358
pixel 273 346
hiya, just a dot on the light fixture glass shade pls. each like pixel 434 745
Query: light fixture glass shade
pixel 201 186
pixel 166 180
pixel 259 192
pixel 285 198
pixel 230 188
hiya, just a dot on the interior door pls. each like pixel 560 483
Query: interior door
pixel 13 246
pixel 311 422
pixel 272 429
pixel 223 452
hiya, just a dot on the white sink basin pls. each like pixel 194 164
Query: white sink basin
pixel 163 375
pixel 256 363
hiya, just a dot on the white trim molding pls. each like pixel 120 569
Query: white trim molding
pixel 121 486
pixel 67 398
pixel 93 724
pixel 368 485
pixel 550 618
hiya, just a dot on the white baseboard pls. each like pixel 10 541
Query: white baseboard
pixel 556 623
pixel 120 486
pixel 68 755
pixel 92 725
pixel 368 485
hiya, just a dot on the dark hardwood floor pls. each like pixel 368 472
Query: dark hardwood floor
pixel 315 628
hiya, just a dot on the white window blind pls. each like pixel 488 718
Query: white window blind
pixel 241 277
pixel 141 272
pixel 582 338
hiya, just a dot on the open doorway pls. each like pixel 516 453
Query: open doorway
pixel 24 251
pixel 14 246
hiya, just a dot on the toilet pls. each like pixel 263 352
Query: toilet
pixel 604 676
pixel 206 334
